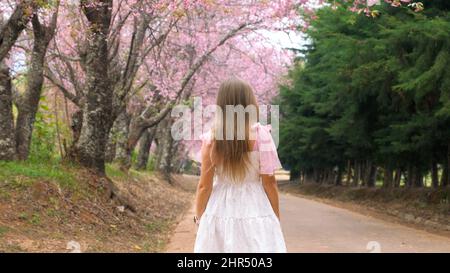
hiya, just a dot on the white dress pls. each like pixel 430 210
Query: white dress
pixel 238 216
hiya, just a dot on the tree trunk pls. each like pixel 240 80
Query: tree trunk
pixel 160 141
pixel 309 177
pixel 418 182
pixel 316 175
pixel 448 165
pixel 331 179
pixel 136 130
pixel 445 169
pixel 110 152
pixel 338 178
pixel 7 142
pixel 371 175
pixel 90 148
pixel 174 158
pixel 28 102
pixel 123 151
pixel 364 173
pixel 444 175
pixel 349 173
pixel 397 177
pixel 158 150
pixel 434 174
pixel 166 148
pixel 415 178
pixel 144 148
pixel 388 177
pixel 330 176
pixel 294 174
pixel 76 124
pixel 114 134
pixel 358 172
pixel 409 176
pixel 323 176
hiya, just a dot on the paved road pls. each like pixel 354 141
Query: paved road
pixel 311 226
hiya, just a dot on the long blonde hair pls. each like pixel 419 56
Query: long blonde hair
pixel 231 155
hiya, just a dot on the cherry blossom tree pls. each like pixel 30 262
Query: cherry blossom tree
pixel 130 31
pixel 15 140
pixel 9 33
pixel 110 55
pixel 172 69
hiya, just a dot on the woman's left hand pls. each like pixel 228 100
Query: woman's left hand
pixel 197 220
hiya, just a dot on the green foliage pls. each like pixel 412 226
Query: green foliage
pixel 24 173
pixel 151 164
pixel 114 171
pixel 157 226
pixel 3 230
pixel 44 134
pixel 371 91
pixel 134 156
pixel 45 141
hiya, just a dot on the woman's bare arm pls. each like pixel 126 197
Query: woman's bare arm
pixel 204 187
pixel 271 189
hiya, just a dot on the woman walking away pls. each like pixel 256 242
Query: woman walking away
pixel 237 207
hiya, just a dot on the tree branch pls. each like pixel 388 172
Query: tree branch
pixel 51 77
pixel 150 122
pixel 14 26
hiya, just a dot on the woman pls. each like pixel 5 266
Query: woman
pixel 237 207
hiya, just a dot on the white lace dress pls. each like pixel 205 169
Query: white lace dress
pixel 238 216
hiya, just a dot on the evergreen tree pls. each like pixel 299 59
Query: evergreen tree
pixel 370 98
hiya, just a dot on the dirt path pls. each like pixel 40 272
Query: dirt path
pixel 311 226
pixel 183 238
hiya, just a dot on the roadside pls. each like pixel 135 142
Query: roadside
pixel 393 205
pixel 58 208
